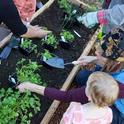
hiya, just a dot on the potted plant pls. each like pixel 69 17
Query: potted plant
pixel 26 71
pixel 46 55
pixel 27 47
pixel 66 38
pixel 50 42
pixel 70 13
pixel 13 81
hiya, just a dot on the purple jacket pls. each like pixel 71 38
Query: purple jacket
pixel 77 95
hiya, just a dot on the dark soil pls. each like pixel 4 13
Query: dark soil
pixel 52 19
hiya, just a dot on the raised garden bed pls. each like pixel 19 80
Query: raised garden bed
pixel 52 19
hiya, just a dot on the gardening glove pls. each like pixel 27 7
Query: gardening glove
pixel 88 19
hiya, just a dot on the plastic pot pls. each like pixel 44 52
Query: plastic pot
pixel 48 47
pixel 12 80
pixel 63 43
pixel 43 62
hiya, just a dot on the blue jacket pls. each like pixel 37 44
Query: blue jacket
pixel 119 76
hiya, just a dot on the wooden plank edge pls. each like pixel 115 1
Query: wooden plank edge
pixel 69 80
pixel 36 14
pixel 5 40
pixel 41 10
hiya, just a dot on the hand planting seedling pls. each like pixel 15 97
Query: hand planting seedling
pixel 49 42
pixel 27 47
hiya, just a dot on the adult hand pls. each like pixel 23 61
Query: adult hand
pixel 35 32
pixel 84 60
pixel 31 87
pixel 88 19
pixel 101 60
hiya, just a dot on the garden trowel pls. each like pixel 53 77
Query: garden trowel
pixel 14 42
pixel 57 62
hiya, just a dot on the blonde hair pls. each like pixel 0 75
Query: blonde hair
pixel 102 89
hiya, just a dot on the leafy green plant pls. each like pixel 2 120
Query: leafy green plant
pixel 27 71
pixel 72 12
pixel 27 44
pixel 64 4
pixel 68 36
pixel 17 108
pixel 50 39
pixel 46 55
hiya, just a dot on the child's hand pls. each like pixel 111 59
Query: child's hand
pixel 84 60
pixel 25 86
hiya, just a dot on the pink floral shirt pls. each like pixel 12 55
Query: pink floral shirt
pixel 76 115
pixel 26 8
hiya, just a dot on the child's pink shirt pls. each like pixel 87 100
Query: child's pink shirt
pixel 26 8
pixel 76 115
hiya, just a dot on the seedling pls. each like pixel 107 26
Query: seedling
pixel 27 71
pixel 68 36
pixel 50 40
pixel 71 12
pixel 27 47
pixel 47 55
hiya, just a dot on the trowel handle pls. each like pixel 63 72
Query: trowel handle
pixel 76 62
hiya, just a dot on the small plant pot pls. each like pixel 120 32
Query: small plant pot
pixel 12 80
pixel 48 47
pixel 26 51
pixel 43 62
pixel 64 45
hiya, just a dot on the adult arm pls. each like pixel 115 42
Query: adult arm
pixel 113 16
pixel 10 16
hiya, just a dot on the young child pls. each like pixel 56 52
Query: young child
pixel 102 90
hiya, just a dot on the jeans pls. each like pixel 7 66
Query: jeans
pixel 82 77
